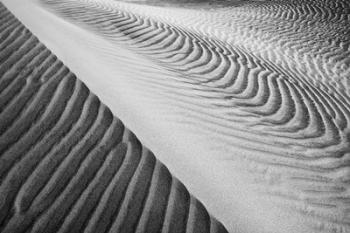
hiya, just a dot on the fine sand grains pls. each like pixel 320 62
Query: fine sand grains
pixel 67 164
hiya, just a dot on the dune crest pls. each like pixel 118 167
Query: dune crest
pixel 276 89
pixel 261 86
pixel 67 164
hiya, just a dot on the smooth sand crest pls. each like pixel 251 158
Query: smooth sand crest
pixel 68 165
pixel 251 101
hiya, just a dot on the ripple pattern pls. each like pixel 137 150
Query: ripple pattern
pixel 67 164
pixel 275 74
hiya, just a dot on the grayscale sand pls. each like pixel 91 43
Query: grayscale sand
pixel 246 102
pixel 68 165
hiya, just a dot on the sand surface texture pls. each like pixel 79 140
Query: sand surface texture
pixel 246 102
pixel 68 165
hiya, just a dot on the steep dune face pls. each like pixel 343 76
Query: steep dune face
pixel 67 164
pixel 275 79
pixel 262 86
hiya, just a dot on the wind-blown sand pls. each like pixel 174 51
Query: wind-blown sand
pixel 68 165
pixel 248 104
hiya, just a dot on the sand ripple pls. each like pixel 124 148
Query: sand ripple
pixel 68 165
pixel 275 75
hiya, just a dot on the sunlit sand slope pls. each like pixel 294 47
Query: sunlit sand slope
pixel 268 77
pixel 67 164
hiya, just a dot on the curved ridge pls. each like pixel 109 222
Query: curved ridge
pixel 67 164
pixel 276 86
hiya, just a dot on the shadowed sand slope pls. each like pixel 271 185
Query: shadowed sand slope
pixel 251 100
pixel 269 77
pixel 67 164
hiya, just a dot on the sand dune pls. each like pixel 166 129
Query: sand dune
pixel 261 87
pixel 67 164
